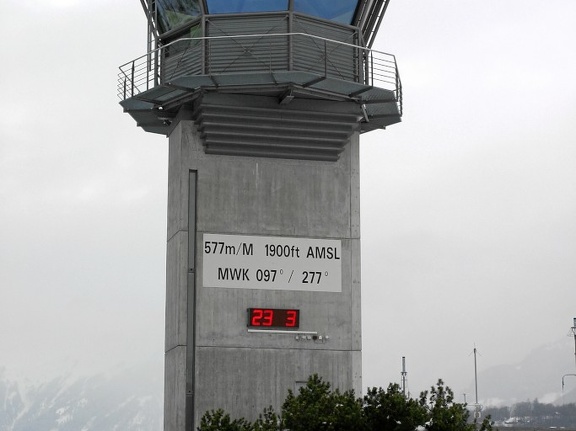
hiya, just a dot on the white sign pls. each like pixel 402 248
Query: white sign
pixel 276 263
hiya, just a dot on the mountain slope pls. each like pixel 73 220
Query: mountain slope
pixel 124 400
pixel 537 376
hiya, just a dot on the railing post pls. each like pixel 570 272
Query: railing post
pixel 148 65
pixel 325 59
pixel 290 51
pixel 367 65
pixel 373 74
pixel 208 57
pixel 156 67
pixel 398 87
pixel 132 79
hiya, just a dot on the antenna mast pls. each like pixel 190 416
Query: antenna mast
pixel 574 332
pixel 404 375
pixel 475 376
pixel 477 406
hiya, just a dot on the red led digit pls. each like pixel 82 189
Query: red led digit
pixel 268 317
pixel 291 318
pixel 256 319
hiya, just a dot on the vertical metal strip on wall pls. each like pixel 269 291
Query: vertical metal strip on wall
pixel 191 303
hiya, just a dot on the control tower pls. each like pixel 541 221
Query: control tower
pixel 263 102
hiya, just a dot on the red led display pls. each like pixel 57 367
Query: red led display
pixel 265 318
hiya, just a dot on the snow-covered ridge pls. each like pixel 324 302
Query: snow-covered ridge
pixel 122 400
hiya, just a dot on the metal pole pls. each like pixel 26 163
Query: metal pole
pixel 574 332
pixel 477 406
pixel 132 79
pixel 475 377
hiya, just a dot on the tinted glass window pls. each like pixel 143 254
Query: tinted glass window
pixel 172 14
pixel 238 6
pixel 335 10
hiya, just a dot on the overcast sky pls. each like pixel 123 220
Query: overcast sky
pixel 468 205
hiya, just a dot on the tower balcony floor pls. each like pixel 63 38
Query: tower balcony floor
pixel 363 84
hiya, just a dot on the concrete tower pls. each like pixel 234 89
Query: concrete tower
pixel 263 102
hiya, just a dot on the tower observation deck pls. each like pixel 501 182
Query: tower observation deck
pixel 287 50
pixel 263 102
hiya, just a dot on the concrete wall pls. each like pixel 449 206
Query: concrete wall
pixel 211 359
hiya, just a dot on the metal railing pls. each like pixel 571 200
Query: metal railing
pixel 259 53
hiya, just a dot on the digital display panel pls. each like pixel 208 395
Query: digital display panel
pixel 273 318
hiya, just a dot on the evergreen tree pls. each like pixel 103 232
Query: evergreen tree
pixel 391 410
pixel 268 421
pixel 317 407
pixel 446 415
pixel 218 420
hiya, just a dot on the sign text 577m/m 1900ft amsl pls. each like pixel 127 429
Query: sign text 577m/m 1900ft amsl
pixel 275 263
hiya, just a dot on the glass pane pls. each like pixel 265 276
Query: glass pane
pixel 335 10
pixel 239 6
pixel 172 14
